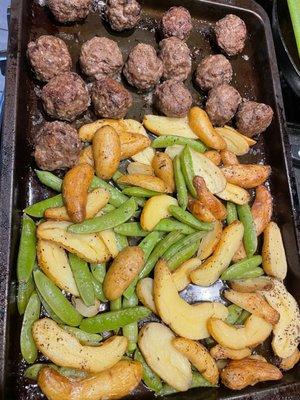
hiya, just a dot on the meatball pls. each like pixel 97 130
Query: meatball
pixel 172 98
pixel 57 146
pixel 213 71
pixel 222 103
pixel 65 96
pixel 253 118
pixel 177 21
pixel 49 56
pixel 123 14
pixel 176 59
pixel 100 57
pixel 231 34
pixel 110 98
pixel 143 69
pixel 69 10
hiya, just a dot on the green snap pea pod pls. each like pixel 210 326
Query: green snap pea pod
pixel 252 273
pixel 243 317
pixel 98 290
pixel 238 270
pixel 209 342
pixel 170 224
pixel 84 338
pixel 121 241
pixel 115 177
pixel 98 271
pixel 166 141
pixel 56 300
pixel 188 170
pixel 182 194
pixel 72 373
pixel 150 378
pixel 189 219
pixel 181 244
pixel 27 250
pixel 197 381
pixel 114 319
pixel 250 237
pixel 32 313
pixel 131 330
pixel 25 290
pixel 234 313
pixel 231 212
pixel 83 279
pixel 108 208
pixel 33 371
pixel 37 210
pixel 116 305
pixel 49 179
pixel 158 251
pixel 183 255
pixel 130 229
pixel 106 221
pixel 116 197
pixel 139 192
pixel 50 313
pixel 139 201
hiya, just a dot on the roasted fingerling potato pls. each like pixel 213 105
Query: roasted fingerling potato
pixel 163 169
pixel 262 208
pixel 247 176
pixel 213 156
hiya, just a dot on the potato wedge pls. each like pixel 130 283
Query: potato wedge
pixel 181 275
pixel 96 200
pixel 144 291
pixel 124 268
pixel 86 132
pixel 139 168
pixel 286 332
pixel 228 158
pixel 200 211
pixel 114 383
pixel 288 363
pixel 209 242
pixel 89 246
pixel 213 156
pixel 86 156
pixel 155 209
pixel 262 209
pixel 65 350
pixel 155 342
pixel 163 168
pixel 235 142
pixel 75 190
pixel 202 127
pixel 235 194
pixel 199 356
pixel 109 238
pixel 240 254
pixel 162 126
pixel 252 285
pixel 273 254
pixel 219 352
pixel 132 143
pixel 145 156
pixel 255 331
pixel 174 150
pixel 246 176
pixel 249 140
pixel 135 126
pixel 254 303
pixel 144 181
pixel 210 271
pixel 189 321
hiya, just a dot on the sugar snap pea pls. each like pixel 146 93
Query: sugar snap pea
pixel 115 177
pixel 83 279
pixel 150 378
pixel 27 249
pixel 188 170
pixel 250 237
pixel 106 221
pixel 27 344
pixel 131 330
pixel 114 319
pixel 252 273
pixel 238 270
pixel 49 179
pixel 121 241
pixel 189 219
pixel 116 305
pixel 98 290
pixel 183 255
pixel 182 243
pixel 182 194
pixel 116 197
pixel 234 312
pixel 84 338
pixel 25 290
pixel 243 317
pixel 231 212
pixel 130 229
pixel 49 312
pixel 197 381
pixel 33 371
pixel 170 224
pixel 107 208
pixel 98 271
pixel 56 300
pixel 139 192
pixel 37 209
pixel 166 141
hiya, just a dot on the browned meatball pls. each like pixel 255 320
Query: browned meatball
pixel 49 56
pixel 100 57
pixel 172 98
pixel 65 96
pixel 110 99
pixel 253 118
pixel 123 14
pixel 143 69
pixel 176 59
pixel 213 71
pixel 231 34
pixel 177 21
pixel 222 103
pixel 57 146
pixel 69 10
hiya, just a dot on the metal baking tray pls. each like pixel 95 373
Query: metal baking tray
pixel 255 76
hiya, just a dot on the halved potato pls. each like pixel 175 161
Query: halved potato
pixel 246 176
pixel 219 352
pixel 181 276
pixel 109 238
pixel 255 331
pixel 86 156
pixel 209 242
pixel 135 126
pixel 132 143
pixel 114 383
pixel 86 132
pixel 235 194
pixel 155 209
pixel 65 350
pixel 228 158
pixel 200 210
pixel 144 291
pixel 235 142
pixel 88 246
pixel 163 168
pixel 145 156
pixel 249 140
pixel 273 254
pixel 174 150
pixel 262 209
pixel 213 156
pixel 189 321
pixel 162 126
pixel 289 362
pixel 155 342
pixel 53 261
pixel 252 284
pixel 144 181
pixel 240 254
pixel 139 168
pixel 210 271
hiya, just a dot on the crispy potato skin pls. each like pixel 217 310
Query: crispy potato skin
pixel 122 271
pixel 289 362
pixel 262 209
pixel 144 181
pixel 163 169
pixel 214 156
pixel 132 143
pixel 86 156
pixel 200 211
pixel 87 131
pixel 239 374
pixel 219 352
pixel 75 191
pixel 228 158
pixel 247 175
pixel 252 284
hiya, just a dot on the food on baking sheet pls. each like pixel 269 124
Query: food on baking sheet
pixel 253 118
pixel 231 34
pixel 172 98
pixel 69 10
pixel 176 58
pixel 123 14
pixel 177 21
pixel 212 71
